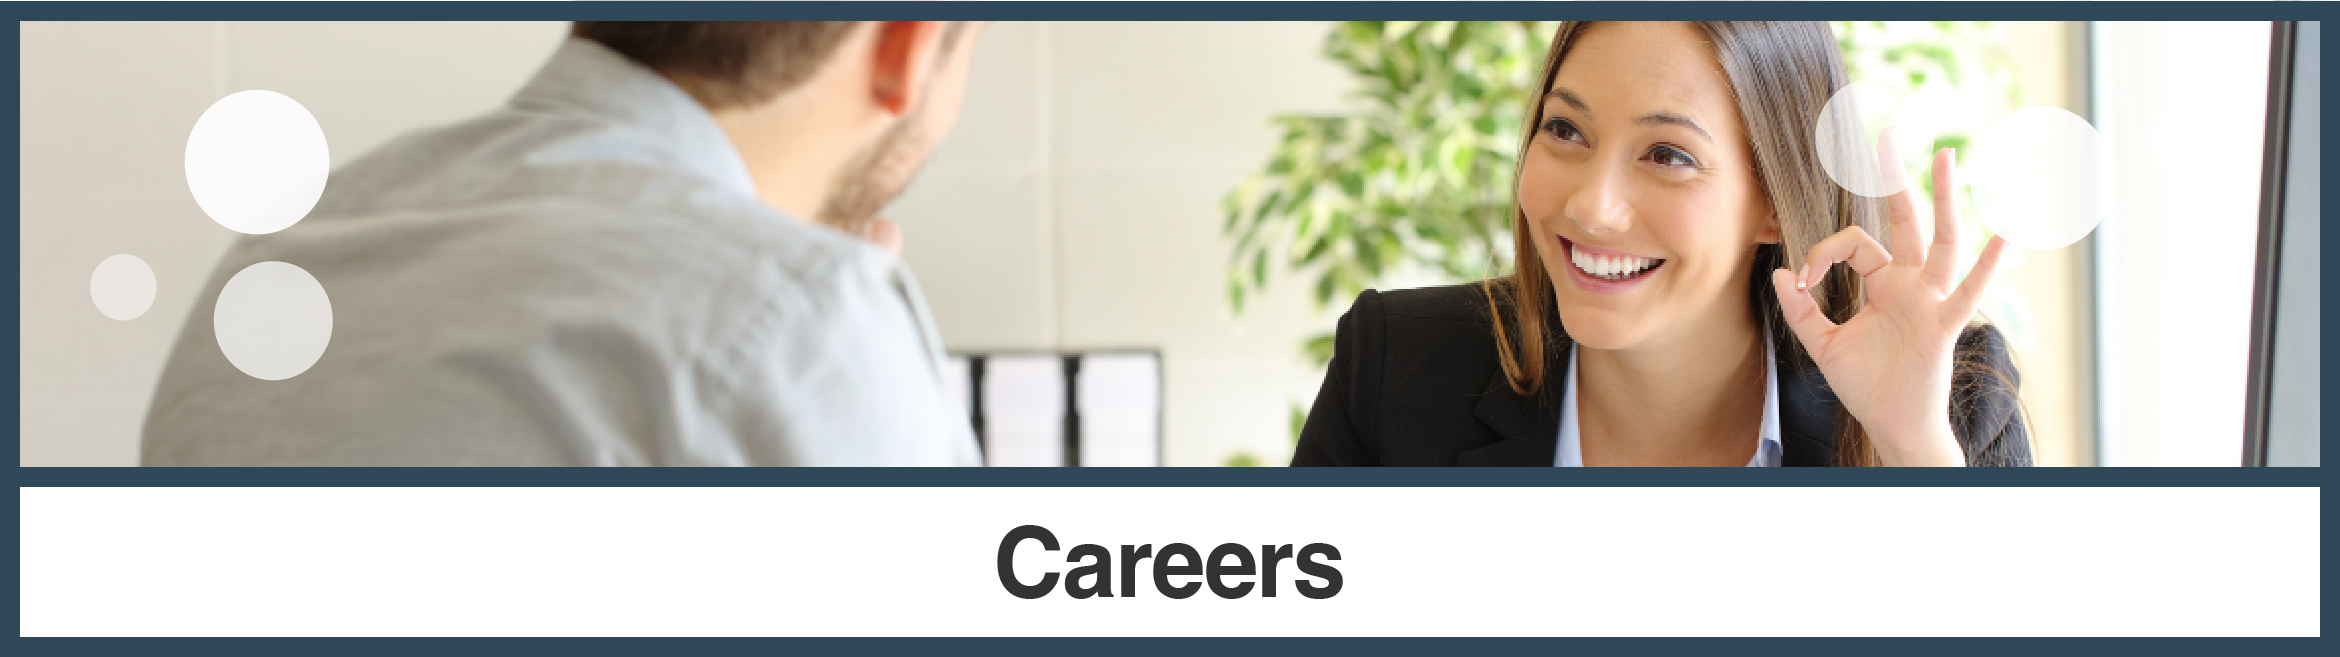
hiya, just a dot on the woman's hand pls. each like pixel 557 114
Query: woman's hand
pixel 1890 364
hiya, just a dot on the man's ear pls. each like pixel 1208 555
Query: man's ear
pixel 905 57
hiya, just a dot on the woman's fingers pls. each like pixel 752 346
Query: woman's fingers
pixel 1852 246
pixel 1961 304
pixel 1908 242
pixel 1801 312
pixel 1939 269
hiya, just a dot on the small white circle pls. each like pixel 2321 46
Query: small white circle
pixel 1846 136
pixel 256 162
pixel 2034 178
pixel 122 287
pixel 273 320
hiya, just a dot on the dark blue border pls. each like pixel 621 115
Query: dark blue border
pixel 1163 10
pixel 1189 647
pixel 9 42
pixel 1220 647
pixel 1202 477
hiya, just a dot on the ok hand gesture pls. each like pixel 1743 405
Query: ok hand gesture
pixel 1890 364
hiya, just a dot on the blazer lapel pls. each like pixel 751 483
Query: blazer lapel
pixel 1529 426
pixel 1807 416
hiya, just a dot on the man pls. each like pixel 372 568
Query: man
pixel 660 252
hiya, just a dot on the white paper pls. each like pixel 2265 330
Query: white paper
pixel 1023 410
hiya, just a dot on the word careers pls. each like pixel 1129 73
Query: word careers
pixel 1216 571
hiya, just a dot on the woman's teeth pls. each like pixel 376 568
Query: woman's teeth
pixel 1613 268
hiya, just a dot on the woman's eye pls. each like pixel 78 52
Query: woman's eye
pixel 1664 155
pixel 1562 129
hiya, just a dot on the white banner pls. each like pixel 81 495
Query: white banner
pixel 1411 561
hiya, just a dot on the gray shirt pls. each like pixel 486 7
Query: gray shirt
pixel 583 277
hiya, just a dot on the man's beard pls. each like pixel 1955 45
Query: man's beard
pixel 875 175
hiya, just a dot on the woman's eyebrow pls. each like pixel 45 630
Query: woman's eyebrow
pixel 1669 118
pixel 1569 97
pixel 1653 118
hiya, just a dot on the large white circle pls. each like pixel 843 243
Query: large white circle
pixel 1849 126
pixel 256 162
pixel 2034 178
pixel 273 320
pixel 122 287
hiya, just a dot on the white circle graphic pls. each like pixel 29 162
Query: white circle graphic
pixel 256 162
pixel 273 320
pixel 1849 126
pixel 122 287
pixel 2034 178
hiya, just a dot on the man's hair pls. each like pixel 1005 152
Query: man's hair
pixel 735 63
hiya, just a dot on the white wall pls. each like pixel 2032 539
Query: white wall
pixel 1075 206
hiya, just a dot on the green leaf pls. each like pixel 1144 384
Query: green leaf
pixel 1352 183
pixel 1319 348
pixel 1455 155
pixel 1304 192
pixel 1485 126
pixel 1368 253
pixel 1267 206
pixel 1951 141
pixel 1318 246
pixel 1282 164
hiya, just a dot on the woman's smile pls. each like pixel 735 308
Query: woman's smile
pixel 1607 271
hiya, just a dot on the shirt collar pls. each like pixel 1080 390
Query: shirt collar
pixel 1767 450
pixel 585 78
pixel 1570 453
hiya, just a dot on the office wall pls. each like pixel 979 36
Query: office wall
pixel 1074 207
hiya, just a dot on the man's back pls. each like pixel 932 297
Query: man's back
pixel 584 277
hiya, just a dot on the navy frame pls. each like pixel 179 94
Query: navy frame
pixel 1082 477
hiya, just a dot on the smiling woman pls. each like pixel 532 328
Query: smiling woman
pixel 1670 170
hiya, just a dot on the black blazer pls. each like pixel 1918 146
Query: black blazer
pixel 1414 381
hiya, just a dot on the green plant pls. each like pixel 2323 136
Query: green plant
pixel 1419 175
pixel 1963 56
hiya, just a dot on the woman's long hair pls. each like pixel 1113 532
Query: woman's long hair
pixel 1782 74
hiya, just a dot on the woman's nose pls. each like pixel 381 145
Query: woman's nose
pixel 1598 206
